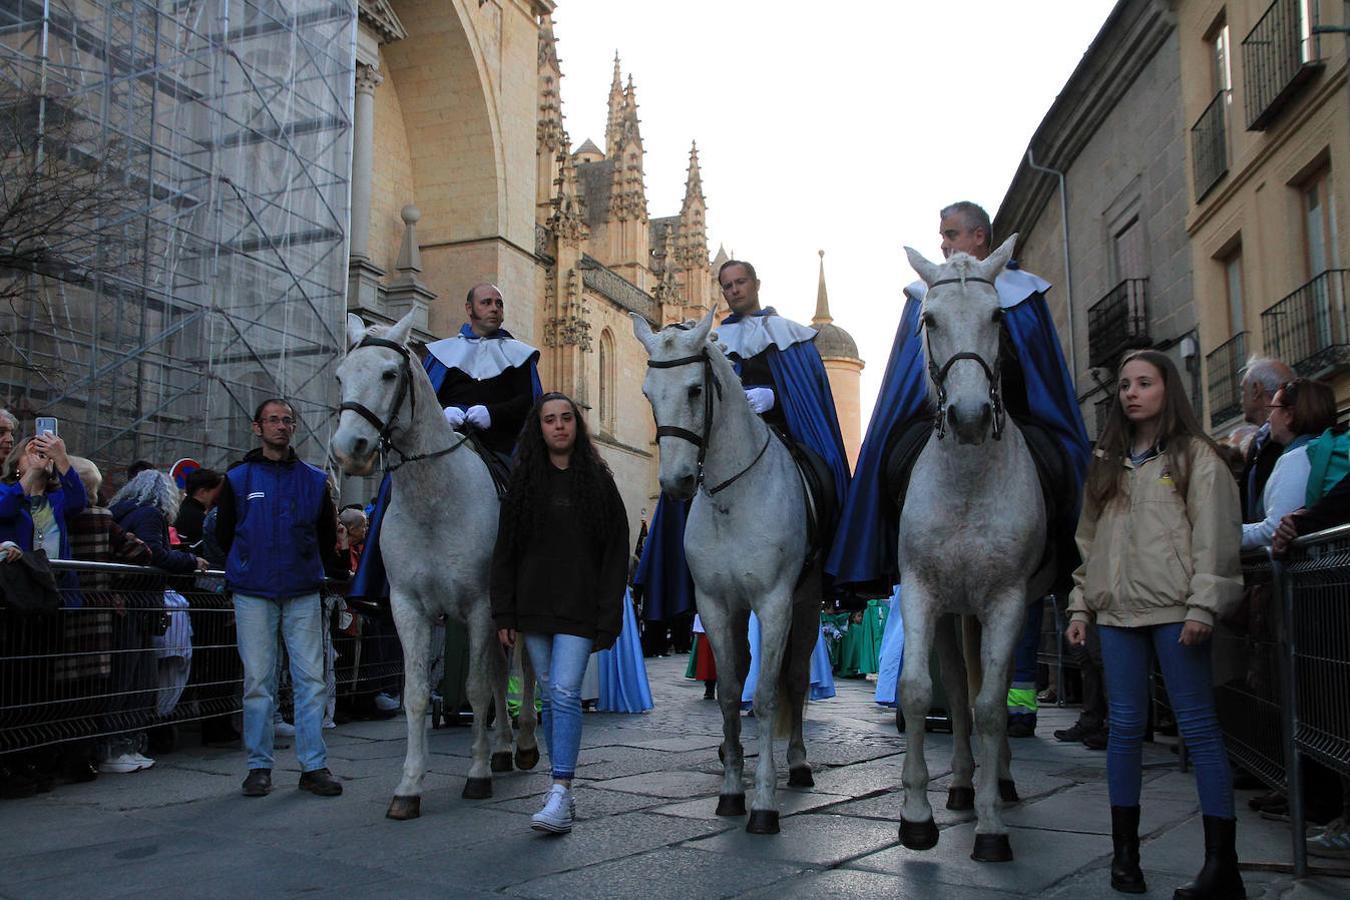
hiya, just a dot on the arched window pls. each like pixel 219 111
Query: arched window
pixel 606 404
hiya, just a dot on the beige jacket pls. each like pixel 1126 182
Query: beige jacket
pixel 1153 557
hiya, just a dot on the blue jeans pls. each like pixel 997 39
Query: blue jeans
pixel 1023 701
pixel 1125 656
pixel 559 663
pixel 300 621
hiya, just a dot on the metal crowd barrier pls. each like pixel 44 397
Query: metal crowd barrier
pixel 132 648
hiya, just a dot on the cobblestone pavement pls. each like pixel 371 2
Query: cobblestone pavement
pixel 646 790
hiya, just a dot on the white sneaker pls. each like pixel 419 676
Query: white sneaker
pixel 145 761
pixel 559 809
pixel 329 724
pixel 386 703
pixel 282 728
pixel 120 765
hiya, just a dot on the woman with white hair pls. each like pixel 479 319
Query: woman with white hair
pixel 145 507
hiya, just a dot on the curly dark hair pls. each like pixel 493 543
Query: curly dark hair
pixel 523 506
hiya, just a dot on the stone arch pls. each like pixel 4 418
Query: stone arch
pixel 451 119
pixel 608 367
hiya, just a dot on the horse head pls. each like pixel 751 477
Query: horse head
pixel 378 383
pixel 962 323
pixel 680 386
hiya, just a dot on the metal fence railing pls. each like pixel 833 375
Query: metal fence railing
pixel 125 653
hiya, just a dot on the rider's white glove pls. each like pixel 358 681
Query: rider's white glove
pixel 761 399
pixel 455 416
pixel 478 417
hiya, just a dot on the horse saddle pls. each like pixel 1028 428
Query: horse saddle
pixel 822 505
pixel 499 465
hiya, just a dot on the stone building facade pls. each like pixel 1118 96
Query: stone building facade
pixel 1268 117
pixel 1116 135
pixel 463 172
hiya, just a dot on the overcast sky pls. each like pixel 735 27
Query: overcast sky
pixel 844 129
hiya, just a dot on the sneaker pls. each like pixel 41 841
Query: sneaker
pixel 1333 842
pixel 145 761
pixel 1076 732
pixel 282 728
pixel 258 783
pixel 329 724
pixel 559 809
pixel 386 703
pixel 123 764
pixel 1021 726
pixel 320 782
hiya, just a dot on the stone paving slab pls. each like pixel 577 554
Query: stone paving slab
pixel 593 802
pixel 885 807
pixel 855 883
pixel 812 839
pixel 790 802
pixel 665 784
pixel 667 874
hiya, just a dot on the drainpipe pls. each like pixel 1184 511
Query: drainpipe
pixel 1068 272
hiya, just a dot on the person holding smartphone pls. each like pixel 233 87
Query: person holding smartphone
pixel 38 491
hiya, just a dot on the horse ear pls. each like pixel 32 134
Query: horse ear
pixel 399 331
pixel 994 262
pixel 702 329
pixel 927 271
pixel 642 331
pixel 356 329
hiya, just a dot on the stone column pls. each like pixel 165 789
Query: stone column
pixel 363 158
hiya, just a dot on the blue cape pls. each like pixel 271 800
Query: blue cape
pixel 865 542
pixel 370 581
pixel 808 405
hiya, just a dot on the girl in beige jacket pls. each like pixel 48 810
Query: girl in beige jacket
pixel 1159 536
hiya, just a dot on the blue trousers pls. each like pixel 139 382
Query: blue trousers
pixel 1126 654
pixel 300 621
pixel 1022 693
pixel 559 663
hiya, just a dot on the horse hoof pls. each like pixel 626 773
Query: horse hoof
pixel 403 808
pixel 477 788
pixel 961 798
pixel 762 821
pixel 731 804
pixel 918 835
pixel 801 777
pixel 1007 791
pixel 992 848
pixel 501 761
pixel 527 758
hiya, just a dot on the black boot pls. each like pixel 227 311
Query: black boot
pixel 1220 878
pixel 1126 876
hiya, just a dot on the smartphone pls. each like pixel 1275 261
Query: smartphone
pixel 46 425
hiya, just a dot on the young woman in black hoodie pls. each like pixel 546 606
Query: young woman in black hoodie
pixel 558 571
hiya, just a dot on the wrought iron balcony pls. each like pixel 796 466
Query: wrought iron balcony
pixel 1225 364
pixel 1279 55
pixel 1118 322
pixel 1209 145
pixel 1309 329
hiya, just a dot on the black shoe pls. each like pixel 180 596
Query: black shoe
pixel 1219 878
pixel 710 690
pixel 258 783
pixel 1021 726
pixel 1096 740
pixel 320 782
pixel 1126 876
pixel 1076 732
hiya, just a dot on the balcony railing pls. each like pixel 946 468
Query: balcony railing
pixel 1225 364
pixel 1279 55
pixel 1118 322
pixel 1209 145
pixel 1309 328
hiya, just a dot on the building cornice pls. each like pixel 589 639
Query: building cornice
pixel 379 15
pixel 1125 45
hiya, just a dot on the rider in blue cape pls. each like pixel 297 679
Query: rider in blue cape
pixel 486 382
pixel 785 383
pixel 1037 388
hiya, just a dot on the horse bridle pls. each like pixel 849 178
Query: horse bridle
pixel 939 373
pixel 402 391
pixel 701 440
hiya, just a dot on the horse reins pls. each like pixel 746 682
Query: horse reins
pixel 939 374
pixel 402 391
pixel 701 440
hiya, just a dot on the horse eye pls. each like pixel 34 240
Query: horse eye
pixel 928 320
pixel 998 315
pixel 695 392
pixel 388 376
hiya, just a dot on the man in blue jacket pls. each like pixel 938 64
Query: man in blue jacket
pixel 277 524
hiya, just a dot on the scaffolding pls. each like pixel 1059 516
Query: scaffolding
pixel 221 281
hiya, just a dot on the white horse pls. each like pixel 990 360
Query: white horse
pixel 971 537
pixel 746 544
pixel 436 539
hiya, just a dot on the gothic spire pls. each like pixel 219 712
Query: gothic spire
pixel 617 105
pixel 693 184
pixel 822 316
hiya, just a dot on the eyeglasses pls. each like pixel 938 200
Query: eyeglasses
pixel 277 420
